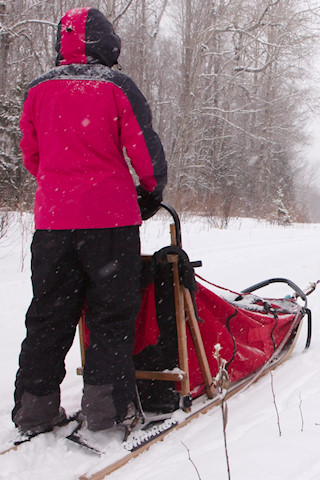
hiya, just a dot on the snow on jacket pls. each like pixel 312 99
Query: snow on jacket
pixel 76 122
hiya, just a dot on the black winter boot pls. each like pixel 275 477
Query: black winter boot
pixel 39 414
pixel 98 407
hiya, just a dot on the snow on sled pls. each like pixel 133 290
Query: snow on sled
pixel 188 338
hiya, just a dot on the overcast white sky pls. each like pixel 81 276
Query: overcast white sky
pixel 313 150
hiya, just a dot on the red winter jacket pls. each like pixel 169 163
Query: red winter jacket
pixel 77 120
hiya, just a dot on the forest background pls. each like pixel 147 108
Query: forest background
pixel 232 85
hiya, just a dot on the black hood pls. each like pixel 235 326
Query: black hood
pixel 85 35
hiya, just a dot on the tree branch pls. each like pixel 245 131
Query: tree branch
pixel 157 22
pixel 25 22
pixel 189 456
pixel 122 12
pixel 275 404
pixel 255 70
pixel 263 14
pixel 301 414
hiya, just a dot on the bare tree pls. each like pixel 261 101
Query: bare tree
pixel 241 101
pixel 226 81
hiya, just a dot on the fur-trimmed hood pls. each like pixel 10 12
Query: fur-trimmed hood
pixel 86 36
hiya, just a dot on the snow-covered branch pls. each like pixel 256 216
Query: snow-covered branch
pixel 29 21
pixel 122 12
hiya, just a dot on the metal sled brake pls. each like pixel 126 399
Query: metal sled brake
pixel 181 323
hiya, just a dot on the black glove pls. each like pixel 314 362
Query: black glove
pixel 149 202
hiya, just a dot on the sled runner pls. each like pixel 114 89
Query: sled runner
pixel 188 338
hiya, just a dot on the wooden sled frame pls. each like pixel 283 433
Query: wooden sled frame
pixel 185 313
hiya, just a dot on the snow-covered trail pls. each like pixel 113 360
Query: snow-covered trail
pixel 246 253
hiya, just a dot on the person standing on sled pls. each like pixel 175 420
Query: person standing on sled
pixel 77 120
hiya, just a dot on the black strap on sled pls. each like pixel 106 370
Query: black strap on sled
pixel 234 314
pixel 309 333
pixel 186 269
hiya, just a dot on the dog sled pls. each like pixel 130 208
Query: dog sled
pixel 192 343
pixel 185 331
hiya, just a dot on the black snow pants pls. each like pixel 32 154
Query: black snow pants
pixel 101 269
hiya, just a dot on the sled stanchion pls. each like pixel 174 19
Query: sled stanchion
pixel 198 343
pixel 181 329
pixel 181 323
pixel 82 346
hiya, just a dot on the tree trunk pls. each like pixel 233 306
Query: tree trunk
pixel 4 50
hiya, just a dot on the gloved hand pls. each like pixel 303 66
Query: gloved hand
pixel 149 202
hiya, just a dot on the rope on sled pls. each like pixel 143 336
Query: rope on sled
pixel 308 291
pixel 312 287
pixel 267 307
pixel 218 286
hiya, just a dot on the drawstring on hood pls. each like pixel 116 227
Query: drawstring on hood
pixel 85 35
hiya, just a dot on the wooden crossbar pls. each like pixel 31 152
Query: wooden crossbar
pixel 162 376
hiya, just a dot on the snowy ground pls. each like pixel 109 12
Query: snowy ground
pixel 246 253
